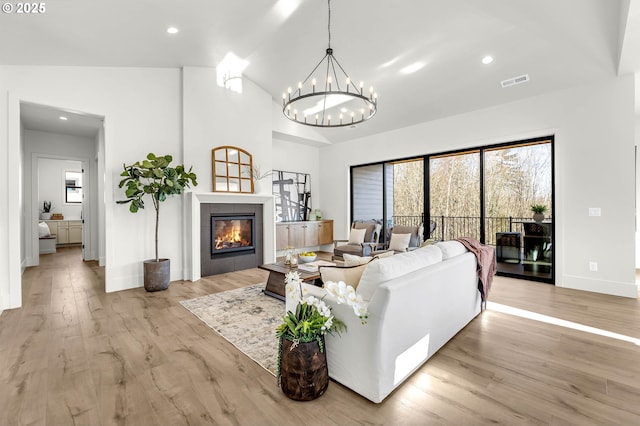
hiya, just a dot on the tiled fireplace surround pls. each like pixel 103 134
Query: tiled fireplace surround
pixel 201 205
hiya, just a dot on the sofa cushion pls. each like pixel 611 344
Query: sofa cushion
pixel 392 267
pixel 353 260
pixel 451 249
pixel 356 236
pixel 350 275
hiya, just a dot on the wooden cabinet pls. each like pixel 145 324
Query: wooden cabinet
pixel 325 232
pixel 63 232
pixel 75 232
pixel 282 236
pixel 66 231
pixel 303 234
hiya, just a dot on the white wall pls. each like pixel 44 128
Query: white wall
pixel 143 112
pixel 294 157
pixel 23 249
pixel 594 151
pixel 212 117
pixel 216 117
pixel 637 198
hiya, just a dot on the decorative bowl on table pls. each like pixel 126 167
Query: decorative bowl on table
pixel 306 257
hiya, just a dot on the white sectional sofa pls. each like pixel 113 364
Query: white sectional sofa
pixel 417 302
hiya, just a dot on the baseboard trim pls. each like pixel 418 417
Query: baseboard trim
pixel 613 288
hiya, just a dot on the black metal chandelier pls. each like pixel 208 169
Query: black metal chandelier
pixel 319 99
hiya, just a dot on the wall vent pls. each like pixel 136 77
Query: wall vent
pixel 515 80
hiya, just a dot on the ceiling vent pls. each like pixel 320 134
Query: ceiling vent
pixel 515 80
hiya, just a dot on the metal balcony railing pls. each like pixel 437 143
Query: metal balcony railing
pixel 451 227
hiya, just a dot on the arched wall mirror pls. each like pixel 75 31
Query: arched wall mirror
pixel 232 169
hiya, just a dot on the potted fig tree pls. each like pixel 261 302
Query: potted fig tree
pixel 156 178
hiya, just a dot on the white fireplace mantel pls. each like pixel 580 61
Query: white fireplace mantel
pixel 194 199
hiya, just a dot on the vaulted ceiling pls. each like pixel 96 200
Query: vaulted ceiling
pixel 557 43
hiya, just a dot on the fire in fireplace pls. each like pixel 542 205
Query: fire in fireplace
pixel 232 233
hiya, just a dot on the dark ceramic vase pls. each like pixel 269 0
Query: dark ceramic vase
pixel 303 370
pixel 157 275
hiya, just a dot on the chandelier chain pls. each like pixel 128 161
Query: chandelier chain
pixel 325 95
pixel 329 22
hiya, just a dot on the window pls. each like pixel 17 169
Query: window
pixel 390 193
pixel 73 187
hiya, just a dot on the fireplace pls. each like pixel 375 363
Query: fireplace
pixel 239 231
pixel 232 233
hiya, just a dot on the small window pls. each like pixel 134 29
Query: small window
pixel 73 187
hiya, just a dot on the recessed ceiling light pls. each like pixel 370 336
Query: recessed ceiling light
pixel 172 30
pixel 63 118
pixel 487 60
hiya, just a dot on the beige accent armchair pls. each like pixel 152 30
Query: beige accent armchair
pixel 371 238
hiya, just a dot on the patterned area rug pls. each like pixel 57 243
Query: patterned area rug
pixel 247 318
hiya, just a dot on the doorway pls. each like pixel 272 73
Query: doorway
pixel 60 164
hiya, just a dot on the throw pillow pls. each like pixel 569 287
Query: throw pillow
pixel 386 269
pixel 353 260
pixel 451 249
pixel 43 229
pixel 356 236
pixel 350 275
pixel 399 242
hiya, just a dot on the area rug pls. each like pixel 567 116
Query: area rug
pixel 247 318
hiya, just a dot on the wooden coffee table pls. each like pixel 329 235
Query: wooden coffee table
pixel 277 271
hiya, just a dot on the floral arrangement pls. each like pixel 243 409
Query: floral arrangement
pixel 313 318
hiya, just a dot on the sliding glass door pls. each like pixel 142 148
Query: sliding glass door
pixel 391 193
pixel 518 177
pixel 454 195
pixel 486 193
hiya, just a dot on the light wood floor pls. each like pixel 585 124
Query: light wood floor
pixel 75 355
